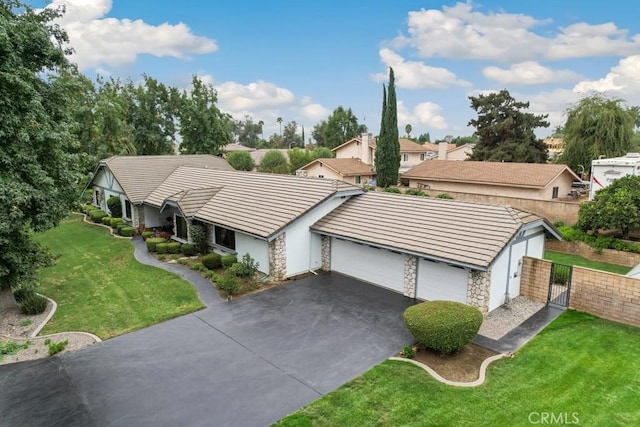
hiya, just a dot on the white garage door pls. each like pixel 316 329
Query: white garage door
pixel 377 266
pixel 437 281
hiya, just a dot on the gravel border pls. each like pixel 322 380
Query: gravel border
pixel 504 319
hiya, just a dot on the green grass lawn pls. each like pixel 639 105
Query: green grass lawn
pixel 583 262
pixel 579 366
pixel 101 288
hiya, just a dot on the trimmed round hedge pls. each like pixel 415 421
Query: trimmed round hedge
pixel 153 241
pixel 443 326
pixel 212 261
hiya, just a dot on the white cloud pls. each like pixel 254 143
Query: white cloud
pixel 98 40
pixel 256 95
pixel 622 81
pixel 424 114
pixel 416 75
pixel 315 112
pixel 528 73
pixel 463 33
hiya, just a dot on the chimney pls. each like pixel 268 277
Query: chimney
pixel 442 150
pixel 366 139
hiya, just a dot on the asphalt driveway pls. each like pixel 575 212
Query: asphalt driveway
pixel 247 362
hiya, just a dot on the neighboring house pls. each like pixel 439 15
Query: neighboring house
pixel 424 248
pixel 363 148
pixel 451 152
pixel 133 178
pixel 534 181
pixel 412 153
pixel 352 171
pixel 229 148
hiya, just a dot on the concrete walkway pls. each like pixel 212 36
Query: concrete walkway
pixel 247 362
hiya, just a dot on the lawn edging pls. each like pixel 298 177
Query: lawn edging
pixel 434 374
pixel 84 219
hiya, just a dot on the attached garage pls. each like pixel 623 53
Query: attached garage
pixel 378 266
pixel 438 281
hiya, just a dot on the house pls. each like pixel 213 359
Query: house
pixel 533 181
pixel 352 171
pixel 424 248
pixel 363 148
pixel 453 152
pixel 412 153
pixel 133 178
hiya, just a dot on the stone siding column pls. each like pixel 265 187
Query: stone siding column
pixel 410 275
pixel 138 216
pixel 278 258
pixel 325 250
pixel 478 290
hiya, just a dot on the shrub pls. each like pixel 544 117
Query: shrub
pixel 23 291
pixel 198 235
pixel 115 221
pixel 392 190
pixel 173 247
pixel 127 231
pixel 212 261
pixel 414 192
pixel 87 208
pixel 33 304
pixel 97 215
pixel 106 220
pixel 211 275
pixel 55 347
pixel 444 326
pixel 228 283
pixel 153 241
pixel 146 234
pixel 115 206
pixel 247 267
pixel 561 276
pixel 408 352
pixel 444 196
pixel 161 248
pixel 229 260
pixel 198 266
pixel 188 249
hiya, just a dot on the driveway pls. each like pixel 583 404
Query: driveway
pixel 246 362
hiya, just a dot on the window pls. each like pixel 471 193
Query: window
pixel 96 198
pixel 127 209
pixel 358 179
pixel 181 228
pixel 421 156
pixel 555 193
pixel 225 237
pixel 405 157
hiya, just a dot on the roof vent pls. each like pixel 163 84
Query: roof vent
pixel 633 155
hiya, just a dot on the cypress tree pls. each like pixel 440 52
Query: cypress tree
pixel 388 147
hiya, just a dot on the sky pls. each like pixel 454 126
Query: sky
pixel 299 60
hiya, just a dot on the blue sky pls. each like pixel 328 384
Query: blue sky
pixel 300 60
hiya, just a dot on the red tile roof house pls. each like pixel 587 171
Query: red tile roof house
pixel 423 248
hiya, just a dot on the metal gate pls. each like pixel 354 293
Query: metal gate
pixel 560 285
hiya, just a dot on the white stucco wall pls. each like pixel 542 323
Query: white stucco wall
pixel 303 249
pixel 105 182
pixel 258 249
pixel 153 217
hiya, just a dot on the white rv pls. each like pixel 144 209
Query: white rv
pixel 605 171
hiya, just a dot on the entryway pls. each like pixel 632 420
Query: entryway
pixel 560 285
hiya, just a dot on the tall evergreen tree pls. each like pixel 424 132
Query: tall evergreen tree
pixel 388 147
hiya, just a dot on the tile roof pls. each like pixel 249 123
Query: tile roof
pixel 532 175
pixel 140 175
pixel 192 200
pixel 409 146
pixel 260 204
pixel 462 233
pixel 345 167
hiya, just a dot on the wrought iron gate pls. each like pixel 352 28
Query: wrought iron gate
pixel 560 285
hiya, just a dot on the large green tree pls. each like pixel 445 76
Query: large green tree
pixel 290 137
pixel 37 166
pixel 299 157
pixel 274 162
pixel 506 131
pixel 613 207
pixel 203 127
pixel 241 160
pixel 247 132
pixel 597 126
pixel 341 126
pixel 388 146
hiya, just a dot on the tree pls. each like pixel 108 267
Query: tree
pixel 298 158
pixel 290 137
pixel 408 128
pixel 462 140
pixel 241 160
pixel 388 147
pixel 203 127
pixel 247 132
pixel 279 120
pixel 38 170
pixel 342 125
pixel 424 138
pixel 317 133
pixel 597 126
pixel 506 132
pixel 615 206
pixel 322 153
pixel 274 162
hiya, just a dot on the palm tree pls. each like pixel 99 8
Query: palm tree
pixel 279 120
pixel 408 129
pixel 261 124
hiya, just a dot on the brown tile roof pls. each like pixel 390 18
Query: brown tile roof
pixel 532 175
pixel 237 147
pixel 408 146
pixel 192 200
pixel 260 204
pixel 140 175
pixel 345 167
pixel 461 233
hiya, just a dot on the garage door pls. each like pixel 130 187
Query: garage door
pixel 378 266
pixel 437 281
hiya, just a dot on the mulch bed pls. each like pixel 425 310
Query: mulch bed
pixel 463 366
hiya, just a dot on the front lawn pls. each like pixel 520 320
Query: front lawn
pixel 570 259
pixel 101 288
pixel 580 370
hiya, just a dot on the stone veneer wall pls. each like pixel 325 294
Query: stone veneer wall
pixel 608 295
pixel 278 258
pixel 478 290
pixel 325 252
pixel 138 215
pixel 410 275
